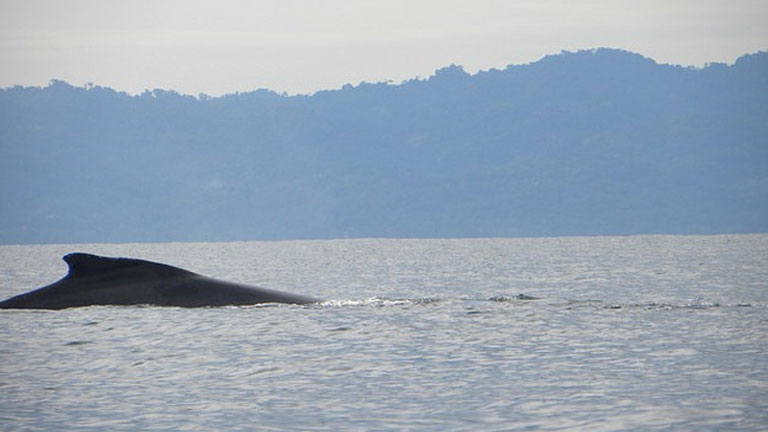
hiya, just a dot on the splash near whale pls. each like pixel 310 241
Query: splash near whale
pixel 97 280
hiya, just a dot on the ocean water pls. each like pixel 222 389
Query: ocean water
pixel 595 333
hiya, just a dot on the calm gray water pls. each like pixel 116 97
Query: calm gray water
pixel 595 334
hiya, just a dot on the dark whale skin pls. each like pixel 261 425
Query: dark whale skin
pixel 96 280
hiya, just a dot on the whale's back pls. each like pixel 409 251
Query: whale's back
pixel 97 280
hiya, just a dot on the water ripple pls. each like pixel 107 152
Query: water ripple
pixel 612 333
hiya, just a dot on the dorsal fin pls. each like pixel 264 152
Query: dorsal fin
pixel 83 264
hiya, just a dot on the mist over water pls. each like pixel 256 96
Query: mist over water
pixel 581 333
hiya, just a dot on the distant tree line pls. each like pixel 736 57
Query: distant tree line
pixel 595 142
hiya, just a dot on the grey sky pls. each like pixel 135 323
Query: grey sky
pixel 300 46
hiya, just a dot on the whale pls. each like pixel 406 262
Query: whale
pixel 97 280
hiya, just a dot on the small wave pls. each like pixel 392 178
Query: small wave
pixel 664 306
pixel 514 298
pixel 695 304
pixel 78 342
pixel 376 302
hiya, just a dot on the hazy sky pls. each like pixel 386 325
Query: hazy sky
pixel 300 46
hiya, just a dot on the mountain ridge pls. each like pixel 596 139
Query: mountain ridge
pixel 640 58
pixel 593 142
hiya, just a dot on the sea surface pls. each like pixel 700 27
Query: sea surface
pixel 639 333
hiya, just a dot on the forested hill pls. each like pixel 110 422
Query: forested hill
pixel 588 143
